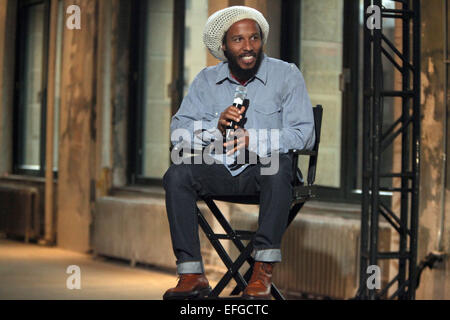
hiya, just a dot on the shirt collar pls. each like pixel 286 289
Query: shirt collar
pixel 224 72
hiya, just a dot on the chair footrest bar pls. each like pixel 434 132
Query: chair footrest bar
pixel 238 235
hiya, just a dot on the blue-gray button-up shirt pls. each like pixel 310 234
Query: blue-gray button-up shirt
pixel 278 100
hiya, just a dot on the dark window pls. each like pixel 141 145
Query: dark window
pixel 31 87
pixel 324 38
pixel 321 38
pixel 168 54
pixel 30 95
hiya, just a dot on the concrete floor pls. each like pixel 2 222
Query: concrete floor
pixel 30 271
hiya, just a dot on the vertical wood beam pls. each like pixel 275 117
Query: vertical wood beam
pixel 213 6
pixel 103 161
pixel 120 88
pixel 76 184
pixel 260 5
pixel 49 184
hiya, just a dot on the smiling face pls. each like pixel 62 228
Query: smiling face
pixel 243 48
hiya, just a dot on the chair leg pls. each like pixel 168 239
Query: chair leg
pixel 293 212
pixel 224 223
pixel 247 277
pixel 233 268
pixel 237 242
pixel 245 252
pixel 276 293
pixel 233 272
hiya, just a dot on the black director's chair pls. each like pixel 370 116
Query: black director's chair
pixel 301 193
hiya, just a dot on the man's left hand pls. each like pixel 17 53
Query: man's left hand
pixel 240 140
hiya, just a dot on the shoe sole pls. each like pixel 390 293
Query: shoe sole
pixel 196 294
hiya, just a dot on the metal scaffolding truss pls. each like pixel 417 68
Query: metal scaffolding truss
pixel 404 56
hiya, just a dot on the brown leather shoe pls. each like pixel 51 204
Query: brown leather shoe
pixel 259 285
pixel 190 286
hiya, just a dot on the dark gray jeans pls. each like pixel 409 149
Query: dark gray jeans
pixel 184 183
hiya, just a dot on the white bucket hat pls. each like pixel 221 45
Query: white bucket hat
pixel 219 23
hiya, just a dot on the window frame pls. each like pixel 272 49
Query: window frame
pixel 137 49
pixel 18 78
pixel 291 51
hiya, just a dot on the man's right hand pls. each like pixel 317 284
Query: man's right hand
pixel 231 113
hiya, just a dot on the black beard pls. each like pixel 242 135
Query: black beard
pixel 237 71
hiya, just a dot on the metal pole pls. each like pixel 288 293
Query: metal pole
pixel 365 158
pixel 416 150
pixel 376 123
pixel 49 235
pixel 374 142
pixel 404 198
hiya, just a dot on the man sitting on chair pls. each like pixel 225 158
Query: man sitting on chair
pixel 278 101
